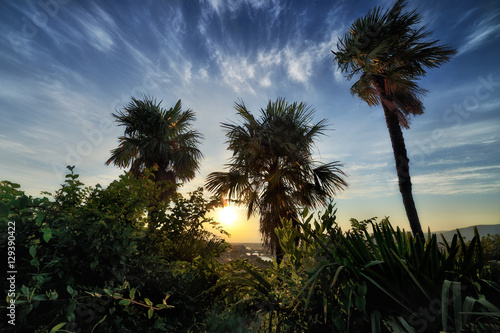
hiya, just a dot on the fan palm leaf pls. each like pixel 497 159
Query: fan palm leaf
pixel 157 136
pixel 389 52
pixel 271 169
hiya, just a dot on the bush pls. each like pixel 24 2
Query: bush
pixel 86 260
pixel 387 281
pixel 89 260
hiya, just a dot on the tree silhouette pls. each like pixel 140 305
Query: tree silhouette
pixel 390 52
pixel 272 170
pixel 157 138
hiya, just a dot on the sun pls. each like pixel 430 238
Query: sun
pixel 227 215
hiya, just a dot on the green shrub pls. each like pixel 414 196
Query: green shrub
pixel 388 281
pixel 86 260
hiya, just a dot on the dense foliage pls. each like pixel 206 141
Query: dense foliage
pixel 387 281
pixel 87 262
pixel 155 136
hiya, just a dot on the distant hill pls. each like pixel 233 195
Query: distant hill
pixel 468 232
pixel 241 249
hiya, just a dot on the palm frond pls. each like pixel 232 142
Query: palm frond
pixel 271 167
pixel 155 135
pixel 389 50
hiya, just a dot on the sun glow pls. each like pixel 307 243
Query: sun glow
pixel 227 215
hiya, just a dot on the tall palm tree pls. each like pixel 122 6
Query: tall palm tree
pixel 391 52
pixel 272 170
pixel 155 136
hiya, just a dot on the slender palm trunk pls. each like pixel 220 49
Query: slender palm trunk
pixel 403 170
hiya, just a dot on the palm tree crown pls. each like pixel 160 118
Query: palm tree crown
pixel 157 136
pixel 272 170
pixel 390 53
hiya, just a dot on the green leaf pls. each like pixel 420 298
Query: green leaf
pixel 70 311
pixel 57 327
pixel 488 305
pixel 4 210
pixel 445 292
pixel 52 295
pixel 132 293
pixel 407 327
pixel 148 302
pixel 124 302
pixel 150 313
pixel 32 251
pixel 100 321
pixel 360 302
pixel 23 202
pixel 39 219
pixel 70 290
pixel 457 304
pixel 47 234
pixel 34 262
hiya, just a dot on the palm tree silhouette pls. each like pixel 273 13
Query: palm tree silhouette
pixel 272 170
pixel 157 138
pixel 390 52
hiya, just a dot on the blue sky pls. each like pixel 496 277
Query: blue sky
pixel 66 65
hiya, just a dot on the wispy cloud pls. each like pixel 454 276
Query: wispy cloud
pixel 299 61
pixel 473 133
pixel 485 31
pixel 221 6
pixel 465 16
pixel 368 180
pixel 98 25
pixel 299 57
pixel 236 72
pixel 464 180
pixel 299 66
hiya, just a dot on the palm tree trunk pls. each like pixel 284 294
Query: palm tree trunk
pixel 403 170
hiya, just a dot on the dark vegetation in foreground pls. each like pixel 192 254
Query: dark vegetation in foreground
pixel 87 262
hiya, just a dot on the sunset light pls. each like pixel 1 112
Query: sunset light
pixel 227 215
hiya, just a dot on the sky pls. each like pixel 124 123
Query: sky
pixel 67 65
